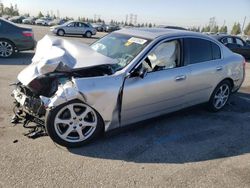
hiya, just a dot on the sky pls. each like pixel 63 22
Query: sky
pixel 184 13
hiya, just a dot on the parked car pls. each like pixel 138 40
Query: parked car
pixel 16 19
pixel 30 20
pixel 173 27
pixel 99 26
pixel 236 44
pixel 56 22
pixel 14 38
pixel 42 21
pixel 6 17
pixel 78 91
pixel 111 28
pixel 74 28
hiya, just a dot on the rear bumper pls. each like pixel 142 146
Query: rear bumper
pixel 25 44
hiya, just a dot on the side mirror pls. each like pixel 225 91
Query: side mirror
pixel 140 71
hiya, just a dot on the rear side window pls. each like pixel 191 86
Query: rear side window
pixel 200 50
pixel 239 42
pixel 216 51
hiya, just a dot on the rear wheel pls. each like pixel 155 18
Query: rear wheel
pixel 220 96
pixel 61 32
pixel 73 124
pixel 6 48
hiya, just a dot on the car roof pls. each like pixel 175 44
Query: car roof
pixel 153 33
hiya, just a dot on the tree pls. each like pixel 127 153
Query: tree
pixel 206 29
pixel 1 9
pixel 247 30
pixel 236 29
pixel 149 25
pixel 223 29
pixel 215 29
pixel 40 15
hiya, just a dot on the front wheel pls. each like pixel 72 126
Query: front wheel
pixel 88 34
pixel 73 124
pixel 220 96
pixel 60 32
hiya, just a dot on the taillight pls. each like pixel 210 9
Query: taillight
pixel 27 33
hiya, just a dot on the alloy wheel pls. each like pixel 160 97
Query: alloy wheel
pixel 221 96
pixel 75 122
pixel 6 49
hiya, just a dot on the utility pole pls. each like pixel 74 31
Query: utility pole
pixel 126 20
pixel 243 25
pixel 135 19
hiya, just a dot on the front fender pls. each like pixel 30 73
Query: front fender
pixel 101 93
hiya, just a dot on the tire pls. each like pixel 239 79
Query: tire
pixel 88 34
pixel 73 130
pixel 60 32
pixel 220 96
pixel 7 48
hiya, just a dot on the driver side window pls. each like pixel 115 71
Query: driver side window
pixel 164 56
pixel 72 24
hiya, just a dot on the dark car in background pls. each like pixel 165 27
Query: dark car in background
pixel 234 43
pixel 99 26
pixel 14 38
pixel 111 28
pixel 17 19
pixel 172 27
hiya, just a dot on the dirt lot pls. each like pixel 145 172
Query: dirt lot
pixel 190 148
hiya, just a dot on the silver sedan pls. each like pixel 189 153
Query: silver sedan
pixel 74 28
pixel 77 91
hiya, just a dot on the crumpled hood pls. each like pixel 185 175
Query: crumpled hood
pixel 56 54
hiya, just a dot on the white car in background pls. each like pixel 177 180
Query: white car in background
pixel 42 21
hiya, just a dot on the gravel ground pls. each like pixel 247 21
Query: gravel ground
pixel 190 148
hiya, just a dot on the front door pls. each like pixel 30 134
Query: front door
pixel 162 90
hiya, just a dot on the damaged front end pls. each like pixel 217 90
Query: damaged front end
pixel 29 103
pixel 62 71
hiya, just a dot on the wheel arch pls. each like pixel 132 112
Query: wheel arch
pixel 88 31
pixel 230 80
pixel 2 38
pixel 61 29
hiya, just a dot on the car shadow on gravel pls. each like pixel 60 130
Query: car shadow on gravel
pixel 21 58
pixel 190 135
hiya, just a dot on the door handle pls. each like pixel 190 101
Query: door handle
pixel 181 77
pixel 219 68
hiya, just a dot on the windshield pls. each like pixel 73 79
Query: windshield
pixel 123 48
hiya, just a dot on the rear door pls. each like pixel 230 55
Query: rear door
pixel 81 28
pixel 203 57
